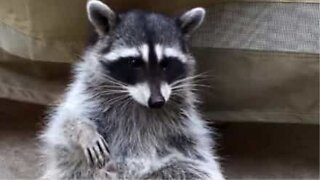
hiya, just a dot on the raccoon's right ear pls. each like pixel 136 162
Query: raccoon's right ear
pixel 101 16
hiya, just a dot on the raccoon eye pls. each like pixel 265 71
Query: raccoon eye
pixel 164 64
pixel 136 62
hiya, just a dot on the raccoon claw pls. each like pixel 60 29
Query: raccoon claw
pixel 97 154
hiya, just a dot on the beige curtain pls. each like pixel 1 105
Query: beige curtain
pixel 261 57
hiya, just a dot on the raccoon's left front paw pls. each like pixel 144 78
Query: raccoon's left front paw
pixel 97 152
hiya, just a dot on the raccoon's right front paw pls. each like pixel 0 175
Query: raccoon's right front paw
pixel 96 152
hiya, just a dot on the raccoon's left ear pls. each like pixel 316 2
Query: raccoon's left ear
pixel 191 20
pixel 101 16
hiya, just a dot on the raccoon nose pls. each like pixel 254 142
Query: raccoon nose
pixel 156 101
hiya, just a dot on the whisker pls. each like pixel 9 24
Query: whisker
pixel 191 86
pixel 196 77
pixel 116 100
pixel 110 86
pixel 107 89
pixel 108 93
pixel 109 102
pixel 111 79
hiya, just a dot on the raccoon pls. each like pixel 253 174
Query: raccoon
pixel 130 111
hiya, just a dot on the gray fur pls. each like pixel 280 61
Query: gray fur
pixel 168 143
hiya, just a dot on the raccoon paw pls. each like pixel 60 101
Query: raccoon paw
pixel 97 152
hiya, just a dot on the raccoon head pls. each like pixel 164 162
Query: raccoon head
pixel 145 52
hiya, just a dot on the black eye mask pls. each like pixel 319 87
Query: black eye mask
pixel 173 69
pixel 129 70
pixel 132 70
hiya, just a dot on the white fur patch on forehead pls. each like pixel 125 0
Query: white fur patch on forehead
pixel 174 52
pixel 121 52
pixel 144 50
pixel 165 90
pixel 140 93
pixel 159 51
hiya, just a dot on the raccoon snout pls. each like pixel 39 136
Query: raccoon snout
pixel 156 101
pixel 151 95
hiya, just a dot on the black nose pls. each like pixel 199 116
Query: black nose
pixel 156 101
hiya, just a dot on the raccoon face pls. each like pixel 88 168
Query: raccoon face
pixel 147 52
